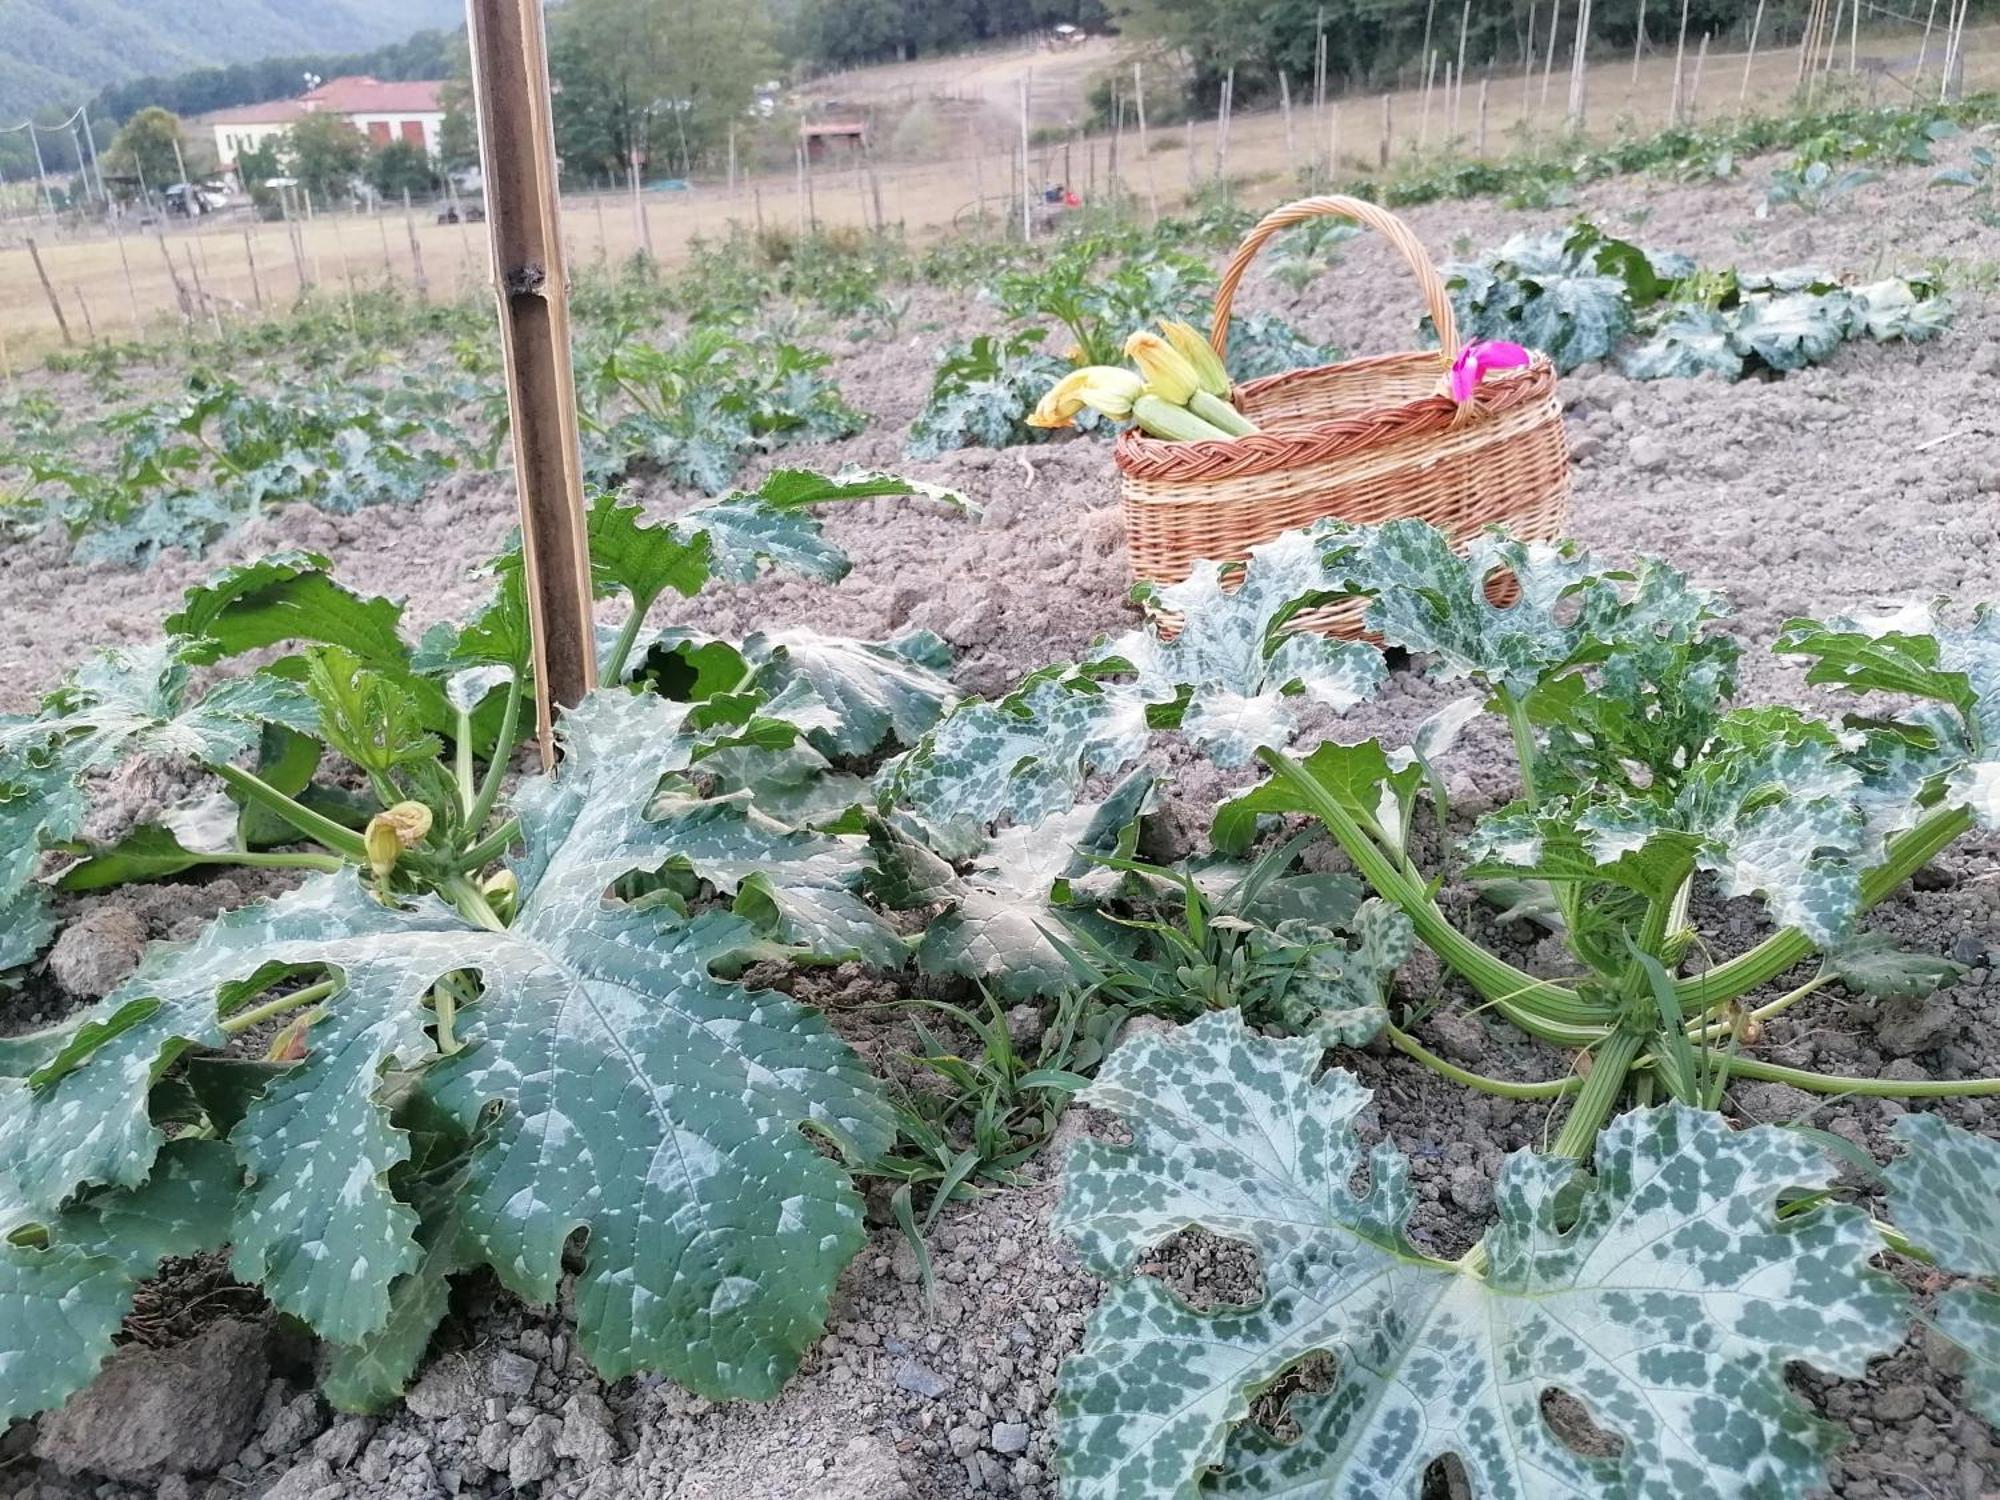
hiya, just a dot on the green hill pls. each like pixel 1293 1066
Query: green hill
pixel 60 52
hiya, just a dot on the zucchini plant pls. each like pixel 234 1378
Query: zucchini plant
pixel 487 1018
pixel 1666 1288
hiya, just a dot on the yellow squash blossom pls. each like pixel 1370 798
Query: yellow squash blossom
pixel 1197 351
pixel 1102 388
pixel 1168 374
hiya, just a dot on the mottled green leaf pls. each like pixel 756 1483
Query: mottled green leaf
pixel 285 596
pixel 1870 963
pixel 66 1281
pixel 1234 671
pixel 1019 759
pixel 1941 1195
pixel 881 690
pixel 628 1092
pixel 1666 1297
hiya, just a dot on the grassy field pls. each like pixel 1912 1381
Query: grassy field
pixel 109 287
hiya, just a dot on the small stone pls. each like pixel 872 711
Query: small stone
pixel 587 1434
pixel 1899 1403
pixel 533 1456
pixel 1010 1437
pixel 1025 1025
pixel 448 1387
pixel 185 1410
pixel 963 1442
pixel 1461 1038
pixel 496 1440
pixel 1583 446
pixel 305 1482
pixel 1471 1189
pixel 297 1423
pixel 1969 948
pixel 903 1261
pixel 920 1380
pixel 342 1443
pixel 510 1374
pixel 1986 359
pixel 173 1487
pixel 1648 454
pixel 97 950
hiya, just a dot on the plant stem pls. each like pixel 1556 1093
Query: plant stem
pixel 322 830
pixel 1524 744
pixel 1778 1006
pixel 1549 1011
pixel 491 847
pixel 1609 1067
pixel 1554 1088
pixel 471 903
pixel 1874 1088
pixel 244 1020
pixel 461 762
pixel 1908 852
pixel 503 752
pixel 628 633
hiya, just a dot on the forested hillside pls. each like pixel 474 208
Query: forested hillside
pixel 58 52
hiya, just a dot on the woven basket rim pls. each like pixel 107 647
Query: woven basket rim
pixel 1141 457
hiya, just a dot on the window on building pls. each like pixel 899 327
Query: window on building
pixel 378 132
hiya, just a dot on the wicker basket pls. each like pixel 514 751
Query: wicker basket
pixel 1365 440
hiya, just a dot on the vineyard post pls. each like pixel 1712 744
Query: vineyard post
pixel 1757 24
pixel 1388 137
pixel 1424 120
pixel 1528 65
pixel 1145 151
pixel 1549 63
pixel 416 251
pixel 55 306
pixel 1479 149
pixel 1680 55
pixel 1285 109
pixel 89 324
pixel 249 258
pixel 1027 192
pixel 1639 44
pixel 125 264
pixel 1458 98
pixel 388 260
pixel 510 87
pixel 1923 48
pixel 174 275
pixel 1573 116
pixel 1694 86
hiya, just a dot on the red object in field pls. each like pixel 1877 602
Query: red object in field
pixel 1070 200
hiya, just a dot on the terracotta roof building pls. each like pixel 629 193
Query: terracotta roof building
pixel 384 112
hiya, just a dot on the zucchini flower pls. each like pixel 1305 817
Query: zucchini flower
pixel 1168 373
pixel 1103 388
pixel 1198 352
pixel 389 833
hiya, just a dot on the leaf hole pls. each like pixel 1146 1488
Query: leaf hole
pixel 1445 1479
pixel 1574 1427
pixel 1207 1271
pixel 1500 588
pixel 1272 1410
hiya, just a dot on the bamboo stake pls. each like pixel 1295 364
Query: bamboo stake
pixel 1923 50
pixel 1528 64
pixel 1332 141
pixel 978 180
pixel 1639 42
pixel 1549 63
pixel 55 307
pixel 1694 88
pixel 250 259
pixel 1680 52
pixel 1285 109
pixel 298 249
pixel 125 264
pixel 799 190
pixel 1479 148
pixel 1450 110
pixel 388 262
pixel 1225 112
pixel 89 325
pixel 1458 98
pixel 1388 137
pixel 1833 37
pixel 1145 150
pixel 1430 15
pixel 1579 53
pixel 1854 38
pixel 517 141
pixel 1756 25
pixel 1027 193
pixel 812 202
pixel 174 276
pixel 1188 156
pixel 1424 123
pixel 416 250
pixel 603 236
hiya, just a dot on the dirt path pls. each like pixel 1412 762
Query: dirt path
pixel 1878 475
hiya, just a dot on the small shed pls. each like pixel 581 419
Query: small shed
pixel 834 137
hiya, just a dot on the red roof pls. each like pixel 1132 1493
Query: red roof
pixel 340 96
pixel 370 96
pixel 274 112
pixel 836 128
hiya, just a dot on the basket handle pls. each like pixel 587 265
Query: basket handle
pixel 1436 299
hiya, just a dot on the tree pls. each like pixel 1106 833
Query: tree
pixel 667 77
pixel 326 154
pixel 150 146
pixel 402 167
pixel 257 165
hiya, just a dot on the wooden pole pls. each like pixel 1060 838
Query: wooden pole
pixel 1923 50
pixel 1854 39
pixel 125 264
pixel 250 259
pixel 1573 113
pixel 603 234
pixel 1388 136
pixel 1680 54
pixel 978 181
pixel 1479 148
pixel 1424 120
pixel 55 306
pixel 1458 98
pixel 1749 57
pixel 1225 111
pixel 292 236
pixel 1549 63
pixel 1188 155
pixel 89 324
pixel 1145 150
pixel 1291 137
pixel 799 185
pixel 1528 65
pixel 1027 192
pixel 416 250
pixel 180 288
pixel 1332 142
pixel 388 261
pixel 1639 42
pixel 510 84
pixel 1694 88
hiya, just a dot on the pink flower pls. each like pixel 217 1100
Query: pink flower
pixel 1476 358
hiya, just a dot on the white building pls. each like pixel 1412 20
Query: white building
pixel 383 112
